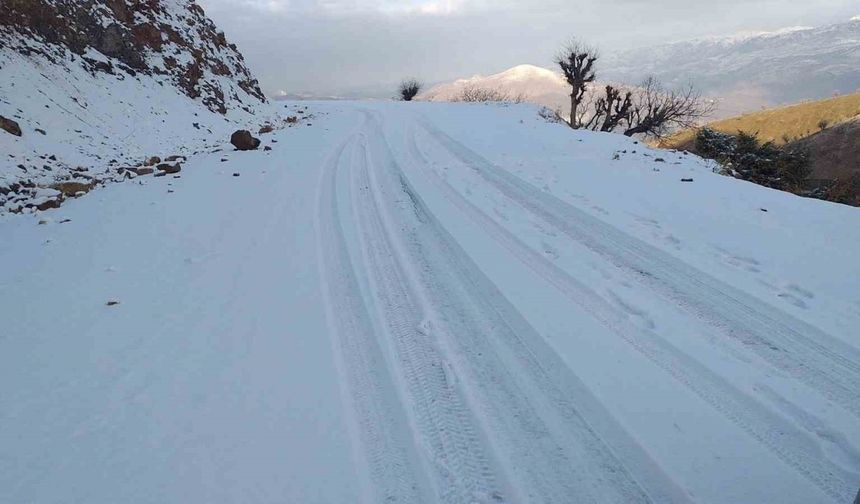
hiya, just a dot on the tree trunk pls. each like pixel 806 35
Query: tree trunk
pixel 573 106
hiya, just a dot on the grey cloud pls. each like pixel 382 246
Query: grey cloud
pixel 327 45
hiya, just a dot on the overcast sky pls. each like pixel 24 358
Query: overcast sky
pixel 330 45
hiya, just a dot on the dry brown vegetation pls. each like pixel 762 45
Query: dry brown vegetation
pixel 784 124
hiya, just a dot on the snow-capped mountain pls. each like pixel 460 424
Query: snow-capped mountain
pixel 753 69
pixel 96 86
pixel 533 83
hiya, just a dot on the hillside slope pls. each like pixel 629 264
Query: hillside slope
pixel 835 151
pixel 783 124
pixel 98 86
pixel 432 303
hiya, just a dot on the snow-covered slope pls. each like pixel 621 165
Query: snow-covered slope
pixel 432 303
pixel 96 87
pixel 753 70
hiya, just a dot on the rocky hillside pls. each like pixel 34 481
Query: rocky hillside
pixel 90 88
pixel 169 38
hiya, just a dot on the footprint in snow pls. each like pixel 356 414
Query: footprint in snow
pixel 799 290
pixel 792 299
pixel 549 250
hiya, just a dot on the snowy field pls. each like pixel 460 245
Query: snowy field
pixel 431 303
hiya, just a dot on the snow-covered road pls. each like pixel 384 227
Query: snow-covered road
pixel 432 303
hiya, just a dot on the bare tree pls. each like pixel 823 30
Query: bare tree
pixel 577 61
pixel 408 89
pixel 472 93
pixel 610 110
pixel 656 111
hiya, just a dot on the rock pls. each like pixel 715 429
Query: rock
pixel 267 148
pixel 292 120
pixel 160 174
pixel 174 157
pixel 142 171
pixel 40 130
pixel 686 180
pixel 154 160
pixel 266 129
pixel 10 126
pixel 236 174
pixel 72 188
pixel 170 168
pixel 659 160
pixel 51 203
pixel 112 303
pixel 242 140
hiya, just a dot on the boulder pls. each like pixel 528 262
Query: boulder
pixel 243 140
pixel 154 160
pixel 266 129
pixel 48 204
pixel 10 126
pixel 72 188
pixel 170 168
pixel 145 170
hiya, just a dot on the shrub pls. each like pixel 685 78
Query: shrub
pixel 745 157
pixel 409 89
pixel 478 94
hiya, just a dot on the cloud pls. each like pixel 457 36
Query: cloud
pixel 343 8
pixel 329 45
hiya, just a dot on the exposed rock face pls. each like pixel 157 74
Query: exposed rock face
pixel 10 126
pixel 169 38
pixel 243 140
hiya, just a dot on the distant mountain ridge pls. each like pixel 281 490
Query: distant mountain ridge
pixel 743 72
pixel 753 70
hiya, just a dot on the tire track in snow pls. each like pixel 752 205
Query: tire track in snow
pixel 379 422
pixel 557 443
pixel 460 467
pixel 790 444
pixel 804 352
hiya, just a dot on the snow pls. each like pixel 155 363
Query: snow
pixel 424 302
pixel 94 123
